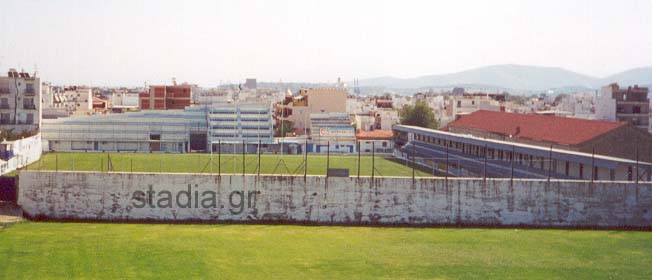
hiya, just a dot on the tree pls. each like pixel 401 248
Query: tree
pixel 418 115
pixel 559 98
pixel 281 130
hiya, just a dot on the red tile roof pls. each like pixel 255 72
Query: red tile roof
pixel 374 135
pixel 560 130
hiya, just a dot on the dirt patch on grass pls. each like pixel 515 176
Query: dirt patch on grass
pixel 10 213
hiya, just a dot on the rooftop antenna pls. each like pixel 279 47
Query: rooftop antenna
pixel 356 87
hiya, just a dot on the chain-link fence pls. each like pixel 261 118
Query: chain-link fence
pixel 236 161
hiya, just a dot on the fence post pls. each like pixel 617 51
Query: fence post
pixel 305 160
pixel 550 164
pixel 259 157
pixel 219 157
pixel 511 161
pixel 484 169
pixel 636 161
pixel 592 164
pixel 243 157
pixel 414 161
pixel 328 157
pixel 373 162
pixel 359 159
pixel 446 168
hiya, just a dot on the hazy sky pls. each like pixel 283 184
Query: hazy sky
pixel 205 42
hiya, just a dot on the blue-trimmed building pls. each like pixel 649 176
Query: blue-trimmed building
pixel 171 131
pixel 466 155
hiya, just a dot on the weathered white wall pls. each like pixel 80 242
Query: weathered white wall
pixel 108 196
pixel 24 152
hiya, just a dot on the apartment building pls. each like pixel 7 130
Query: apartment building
pixel 20 120
pixel 451 107
pixel 629 104
pixel 298 109
pixel 20 102
pixel 124 99
pixel 162 97
pixel 68 100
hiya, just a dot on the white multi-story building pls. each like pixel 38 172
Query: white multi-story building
pixel 627 105
pixel 449 108
pixel 20 120
pixel 71 100
pixel 124 99
pixel 20 102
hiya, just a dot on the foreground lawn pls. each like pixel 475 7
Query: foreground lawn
pixel 228 163
pixel 72 250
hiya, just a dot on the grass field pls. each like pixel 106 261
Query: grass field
pixel 144 251
pixel 228 163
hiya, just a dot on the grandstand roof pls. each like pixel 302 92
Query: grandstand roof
pixel 374 135
pixel 560 130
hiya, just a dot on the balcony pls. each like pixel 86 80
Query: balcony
pixel 4 106
pixel 29 106
pixel 29 91
pixel 4 90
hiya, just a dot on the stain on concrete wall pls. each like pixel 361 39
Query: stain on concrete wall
pixel 382 201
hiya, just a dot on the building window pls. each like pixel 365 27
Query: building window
pixel 581 171
pixel 28 103
pixel 567 168
pixel 595 173
pixel 5 118
pixel 29 88
pixel 630 173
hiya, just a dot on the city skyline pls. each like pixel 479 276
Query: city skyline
pixel 129 43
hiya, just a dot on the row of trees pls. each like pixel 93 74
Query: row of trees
pixel 418 114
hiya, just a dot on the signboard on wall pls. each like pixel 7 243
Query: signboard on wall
pixel 337 131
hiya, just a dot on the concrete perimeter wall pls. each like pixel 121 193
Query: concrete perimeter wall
pixel 320 200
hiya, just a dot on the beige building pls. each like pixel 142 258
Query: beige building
pixel 297 109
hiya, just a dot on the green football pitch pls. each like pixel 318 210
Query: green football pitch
pixel 30 250
pixel 224 164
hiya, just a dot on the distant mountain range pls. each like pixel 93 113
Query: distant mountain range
pixel 515 77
